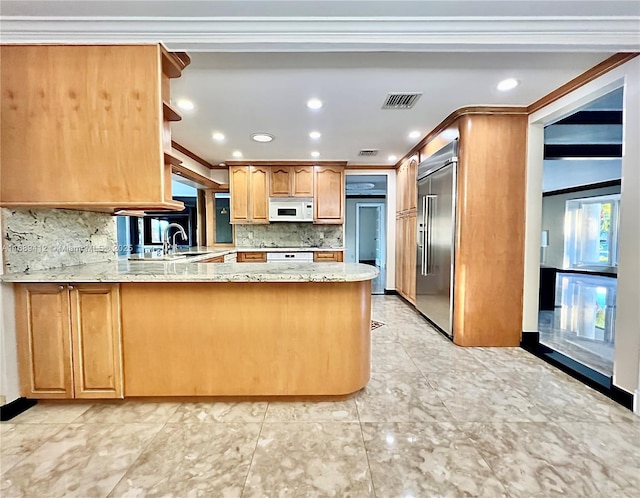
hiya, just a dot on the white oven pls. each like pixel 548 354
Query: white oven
pixel 297 209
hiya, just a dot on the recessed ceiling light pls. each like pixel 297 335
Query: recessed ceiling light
pixel 508 84
pixel 392 158
pixel 315 153
pixel 237 153
pixel 262 137
pixel 185 104
pixel 315 135
pixel 218 136
pixel 314 103
pixel 414 134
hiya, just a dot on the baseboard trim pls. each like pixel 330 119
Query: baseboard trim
pixel 594 379
pixel 15 408
pixel 391 292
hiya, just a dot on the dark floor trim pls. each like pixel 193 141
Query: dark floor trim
pixel 391 292
pixel 577 370
pixel 16 407
pixel 434 325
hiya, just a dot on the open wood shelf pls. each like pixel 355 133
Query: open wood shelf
pixel 169 113
pixel 171 159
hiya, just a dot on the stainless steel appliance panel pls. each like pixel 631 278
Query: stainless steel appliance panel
pixel 435 244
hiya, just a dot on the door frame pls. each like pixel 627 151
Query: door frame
pixel 381 227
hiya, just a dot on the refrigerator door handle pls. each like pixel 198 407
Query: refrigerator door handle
pixel 427 234
pixel 423 236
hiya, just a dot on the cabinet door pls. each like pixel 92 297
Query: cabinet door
pixel 239 192
pixel 400 188
pixel 280 181
pixel 399 255
pixel 302 184
pixel 97 352
pixel 329 194
pixel 44 340
pixel 411 200
pixel 259 194
pixel 410 257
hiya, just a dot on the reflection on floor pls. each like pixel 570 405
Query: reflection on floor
pixel 434 420
pixel 594 354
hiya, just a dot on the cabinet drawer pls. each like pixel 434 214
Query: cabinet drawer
pixel 252 257
pixel 327 256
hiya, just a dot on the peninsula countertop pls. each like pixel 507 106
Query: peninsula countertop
pixel 188 270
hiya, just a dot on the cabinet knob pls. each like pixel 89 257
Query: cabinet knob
pixel 71 287
pixel 61 287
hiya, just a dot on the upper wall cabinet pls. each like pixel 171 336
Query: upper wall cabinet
pixel 291 181
pixel 406 185
pixel 87 127
pixel 249 189
pixel 328 205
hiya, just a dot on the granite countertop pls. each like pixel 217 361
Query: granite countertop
pixel 189 270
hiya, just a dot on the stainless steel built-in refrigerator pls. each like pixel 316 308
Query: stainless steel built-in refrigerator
pixel 435 239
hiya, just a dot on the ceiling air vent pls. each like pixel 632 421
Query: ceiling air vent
pixel 368 153
pixel 401 100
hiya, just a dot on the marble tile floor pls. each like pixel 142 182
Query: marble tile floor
pixel 594 354
pixel 435 420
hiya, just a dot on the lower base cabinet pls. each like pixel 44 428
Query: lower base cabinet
pixel 69 340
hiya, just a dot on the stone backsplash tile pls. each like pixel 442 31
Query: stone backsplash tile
pixel 42 239
pixel 289 235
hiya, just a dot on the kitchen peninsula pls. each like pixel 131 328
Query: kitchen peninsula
pixel 184 328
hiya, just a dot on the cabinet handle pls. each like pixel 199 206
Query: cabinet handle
pixel 71 287
pixel 61 287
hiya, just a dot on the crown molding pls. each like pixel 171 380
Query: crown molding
pixel 300 34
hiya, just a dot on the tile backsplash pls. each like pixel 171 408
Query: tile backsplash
pixel 41 239
pixel 289 235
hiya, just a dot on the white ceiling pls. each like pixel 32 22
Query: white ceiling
pixel 256 62
pixel 243 93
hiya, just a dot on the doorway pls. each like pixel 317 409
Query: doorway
pixel 365 224
pixel 581 192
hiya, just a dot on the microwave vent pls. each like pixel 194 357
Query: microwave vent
pixel 401 100
pixel 368 152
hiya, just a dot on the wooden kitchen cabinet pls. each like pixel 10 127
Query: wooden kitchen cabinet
pixel 407 185
pixel 249 190
pixel 69 340
pixel 328 256
pixel 252 257
pixel 328 196
pixel 291 181
pixel 87 126
pixel 406 256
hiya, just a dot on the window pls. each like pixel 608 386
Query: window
pixel 591 231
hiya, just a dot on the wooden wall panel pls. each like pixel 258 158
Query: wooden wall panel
pixel 490 230
pixel 199 339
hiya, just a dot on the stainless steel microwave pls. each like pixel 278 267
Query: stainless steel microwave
pixel 298 209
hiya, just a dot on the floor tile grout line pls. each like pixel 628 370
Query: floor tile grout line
pixel 146 447
pixel 366 453
pixel 255 449
pixel 479 452
pixel 151 440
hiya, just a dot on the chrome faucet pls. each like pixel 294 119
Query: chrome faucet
pixel 165 238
